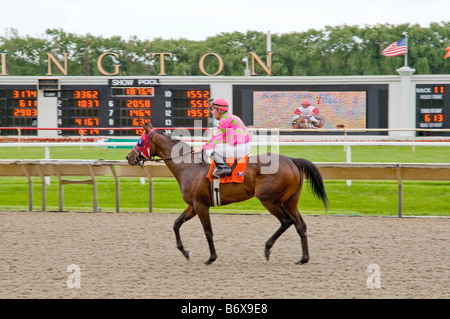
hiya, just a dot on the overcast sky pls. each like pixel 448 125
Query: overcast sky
pixel 199 19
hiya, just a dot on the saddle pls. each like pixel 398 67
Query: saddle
pixel 237 176
pixel 237 170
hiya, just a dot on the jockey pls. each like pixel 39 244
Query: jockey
pixel 232 140
pixel 308 111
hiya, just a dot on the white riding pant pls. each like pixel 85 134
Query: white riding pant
pixel 312 118
pixel 230 151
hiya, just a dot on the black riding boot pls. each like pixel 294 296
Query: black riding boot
pixel 222 167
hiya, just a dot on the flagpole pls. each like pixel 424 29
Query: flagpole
pixel 406 55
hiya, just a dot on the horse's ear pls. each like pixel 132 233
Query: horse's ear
pixel 147 127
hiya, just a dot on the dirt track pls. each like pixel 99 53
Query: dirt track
pixel 135 256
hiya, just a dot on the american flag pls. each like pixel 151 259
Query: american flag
pixel 396 48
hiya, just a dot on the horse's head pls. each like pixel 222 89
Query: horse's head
pixel 143 150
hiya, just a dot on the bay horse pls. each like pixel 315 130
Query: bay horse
pixel 279 192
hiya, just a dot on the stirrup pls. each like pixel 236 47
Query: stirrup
pixel 216 197
pixel 221 171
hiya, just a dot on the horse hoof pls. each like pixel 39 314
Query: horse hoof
pixel 210 261
pixel 187 254
pixel 268 254
pixel 302 261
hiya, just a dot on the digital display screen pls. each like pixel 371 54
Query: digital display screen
pixel 79 108
pixel 18 108
pixel 326 109
pixel 432 108
pixel 189 105
pixel 132 91
pixel 127 103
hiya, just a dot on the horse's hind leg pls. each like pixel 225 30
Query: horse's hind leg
pixel 301 229
pixel 203 214
pixel 291 208
pixel 188 213
pixel 300 225
pixel 285 219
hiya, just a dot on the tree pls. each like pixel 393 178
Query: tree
pixel 338 50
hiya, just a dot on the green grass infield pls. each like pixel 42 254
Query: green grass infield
pixel 361 198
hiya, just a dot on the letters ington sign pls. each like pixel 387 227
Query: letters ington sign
pixel 63 67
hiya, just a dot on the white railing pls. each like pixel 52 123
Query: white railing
pixel 260 143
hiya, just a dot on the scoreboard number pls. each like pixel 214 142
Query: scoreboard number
pixel 18 108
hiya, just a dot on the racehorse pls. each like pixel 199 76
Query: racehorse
pixel 279 192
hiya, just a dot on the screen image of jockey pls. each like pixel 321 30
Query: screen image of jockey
pixel 307 115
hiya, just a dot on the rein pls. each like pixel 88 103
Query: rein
pixel 143 158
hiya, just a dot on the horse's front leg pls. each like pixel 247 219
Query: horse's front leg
pixel 188 213
pixel 203 214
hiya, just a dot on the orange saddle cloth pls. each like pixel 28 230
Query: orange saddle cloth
pixel 238 173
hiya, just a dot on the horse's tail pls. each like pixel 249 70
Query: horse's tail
pixel 315 178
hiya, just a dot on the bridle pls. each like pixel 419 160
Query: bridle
pixel 141 157
pixel 139 150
